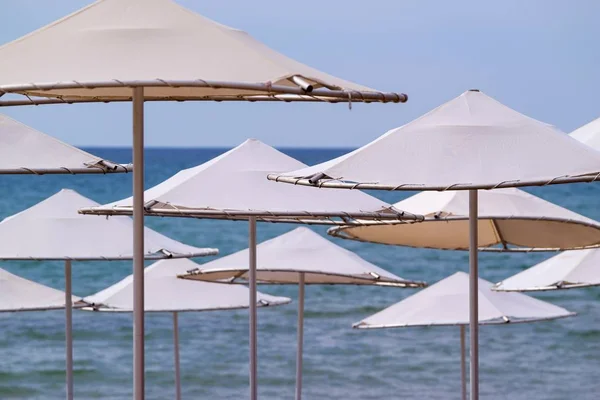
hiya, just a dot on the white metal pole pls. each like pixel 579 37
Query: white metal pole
pixel 138 243
pixel 299 349
pixel 176 353
pixel 69 329
pixel 473 295
pixel 463 365
pixel 252 287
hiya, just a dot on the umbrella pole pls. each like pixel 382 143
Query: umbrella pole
pixel 176 354
pixel 252 287
pixel 299 349
pixel 473 295
pixel 69 329
pixel 138 243
pixel 463 366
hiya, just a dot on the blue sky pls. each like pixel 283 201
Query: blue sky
pixel 539 57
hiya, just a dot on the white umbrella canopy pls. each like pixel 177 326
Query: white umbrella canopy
pixel 509 220
pixel 164 292
pixel 471 142
pixel 568 270
pixel 179 54
pixel 53 230
pixel 24 150
pixel 283 259
pixel 20 294
pixel 239 188
pixel 588 134
pixel 447 303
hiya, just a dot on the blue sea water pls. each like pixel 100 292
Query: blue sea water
pixel 548 360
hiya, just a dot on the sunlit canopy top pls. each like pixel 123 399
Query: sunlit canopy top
pixel 571 269
pixel 471 142
pixel 53 230
pixel 23 150
pixel 589 134
pixel 165 292
pixel 100 51
pixel 20 294
pixel 509 220
pixel 234 186
pixel 447 303
pixel 283 258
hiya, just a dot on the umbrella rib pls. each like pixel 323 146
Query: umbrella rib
pixel 498 234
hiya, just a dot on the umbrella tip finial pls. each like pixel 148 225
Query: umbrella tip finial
pixel 474 90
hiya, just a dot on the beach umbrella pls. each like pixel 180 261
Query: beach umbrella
pixel 470 143
pixel 508 220
pixel 24 150
pixel 300 257
pixel 446 303
pixel 179 56
pixel 165 293
pixel 53 230
pixel 20 294
pixel 588 134
pixel 567 270
pixel 238 190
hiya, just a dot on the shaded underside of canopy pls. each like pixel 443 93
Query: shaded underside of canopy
pixel 24 150
pixel 179 55
pixel 164 292
pixel 471 142
pixel 53 230
pixel 282 259
pixel 245 192
pixel 568 270
pixel 509 220
pixel 447 303
pixel 20 294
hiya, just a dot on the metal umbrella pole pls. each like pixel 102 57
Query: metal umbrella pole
pixel 252 308
pixel 176 355
pixel 138 243
pixel 299 348
pixel 473 295
pixel 69 329
pixel 463 365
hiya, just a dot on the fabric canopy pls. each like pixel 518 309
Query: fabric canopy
pixel 588 134
pixel 172 45
pixel 509 219
pixel 571 269
pixel 283 258
pixel 164 292
pixel 234 185
pixel 23 150
pixel 53 230
pixel 20 294
pixel 471 142
pixel 447 303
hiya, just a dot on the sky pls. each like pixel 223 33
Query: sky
pixel 539 57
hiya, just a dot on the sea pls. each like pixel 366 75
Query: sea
pixel 546 360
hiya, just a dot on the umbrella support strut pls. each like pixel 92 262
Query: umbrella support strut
pixel 463 366
pixel 299 349
pixel 138 243
pixel 69 329
pixel 473 295
pixel 176 356
pixel 252 308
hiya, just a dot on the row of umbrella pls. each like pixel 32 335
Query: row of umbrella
pixel 470 143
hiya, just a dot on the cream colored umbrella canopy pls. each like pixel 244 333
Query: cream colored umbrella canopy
pixel 24 150
pixel 447 303
pixel 588 134
pixel 20 294
pixel 179 55
pixel 568 270
pixel 509 220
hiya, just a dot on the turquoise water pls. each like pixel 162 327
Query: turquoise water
pixel 548 360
